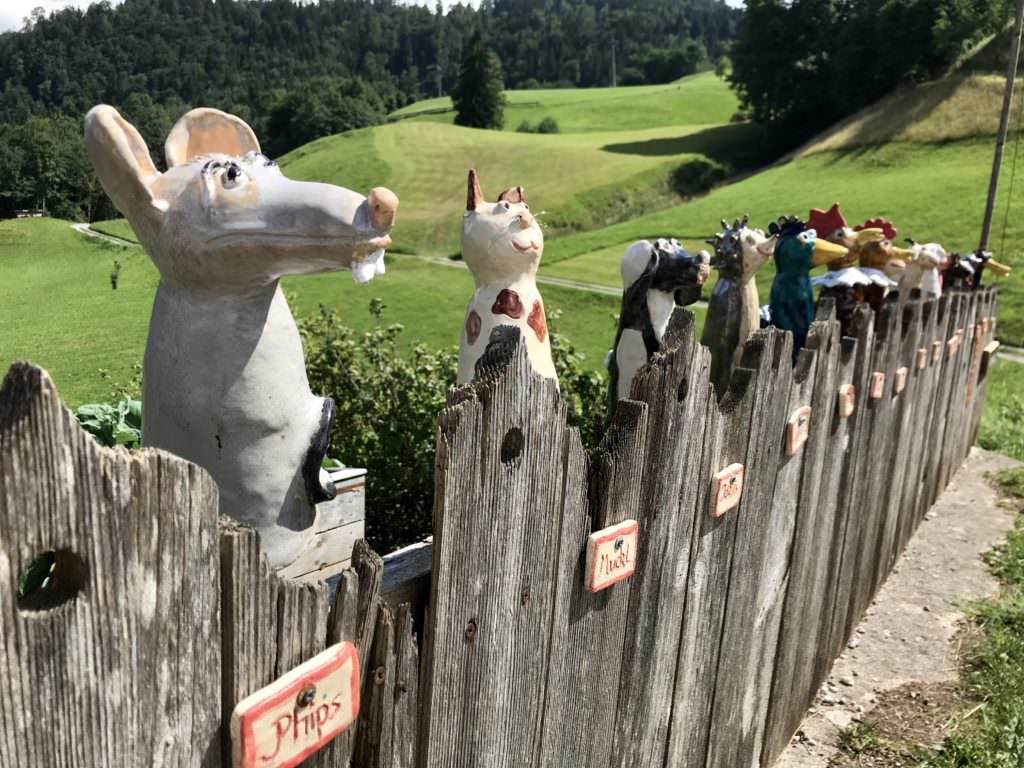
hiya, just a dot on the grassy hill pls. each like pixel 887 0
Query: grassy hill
pixel 612 161
pixel 702 99
pixel 920 158
pixel 60 312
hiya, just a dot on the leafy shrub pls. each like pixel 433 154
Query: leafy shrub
pixel 696 176
pixel 547 125
pixel 525 127
pixel 117 424
pixel 388 396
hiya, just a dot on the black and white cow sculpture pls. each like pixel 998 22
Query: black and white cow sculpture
pixel 656 278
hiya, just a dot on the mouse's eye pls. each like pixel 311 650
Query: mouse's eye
pixel 505 205
pixel 231 177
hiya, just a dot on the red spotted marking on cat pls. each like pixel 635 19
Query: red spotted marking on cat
pixel 508 303
pixel 472 326
pixel 537 322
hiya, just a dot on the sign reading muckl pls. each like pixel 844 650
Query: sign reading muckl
pixel 281 725
pixel 611 555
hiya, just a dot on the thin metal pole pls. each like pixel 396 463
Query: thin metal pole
pixel 1004 122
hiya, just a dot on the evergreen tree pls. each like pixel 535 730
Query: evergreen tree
pixel 478 95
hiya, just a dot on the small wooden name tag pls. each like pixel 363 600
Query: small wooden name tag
pixel 798 429
pixel 847 400
pixel 877 385
pixel 611 555
pixel 900 382
pixel 936 351
pixel 953 345
pixel 922 358
pixel 726 489
pixel 281 725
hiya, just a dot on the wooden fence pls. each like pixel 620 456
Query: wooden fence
pixel 708 655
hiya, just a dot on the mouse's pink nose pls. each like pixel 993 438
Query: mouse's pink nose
pixel 383 207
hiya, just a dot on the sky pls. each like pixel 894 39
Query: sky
pixel 13 11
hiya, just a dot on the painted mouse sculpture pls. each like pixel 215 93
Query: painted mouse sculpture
pixel 656 277
pixel 224 379
pixel 502 245
pixel 733 310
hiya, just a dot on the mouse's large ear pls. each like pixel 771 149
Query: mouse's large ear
pixel 207 131
pixel 122 162
pixel 474 196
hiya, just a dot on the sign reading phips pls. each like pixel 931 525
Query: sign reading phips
pixel 611 555
pixel 281 725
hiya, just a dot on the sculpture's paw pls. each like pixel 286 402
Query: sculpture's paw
pixel 366 270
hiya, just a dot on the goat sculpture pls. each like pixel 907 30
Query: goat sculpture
pixel 733 310
pixel 224 380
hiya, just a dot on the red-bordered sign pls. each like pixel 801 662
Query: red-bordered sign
pixel 281 725
pixel 611 555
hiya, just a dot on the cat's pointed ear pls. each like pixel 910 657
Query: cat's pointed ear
pixel 513 195
pixel 474 197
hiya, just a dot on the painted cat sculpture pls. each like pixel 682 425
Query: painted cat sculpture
pixel 502 244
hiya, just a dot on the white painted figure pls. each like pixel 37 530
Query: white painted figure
pixel 922 270
pixel 224 380
pixel 502 245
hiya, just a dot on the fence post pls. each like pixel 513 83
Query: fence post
pixel 116 661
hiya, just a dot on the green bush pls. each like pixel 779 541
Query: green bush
pixel 547 125
pixel 525 127
pixel 388 396
pixel 696 176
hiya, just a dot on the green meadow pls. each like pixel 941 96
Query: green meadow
pixel 61 313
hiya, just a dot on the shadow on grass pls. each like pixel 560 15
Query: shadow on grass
pixel 739 145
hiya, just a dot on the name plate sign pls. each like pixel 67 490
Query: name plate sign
pixel 877 385
pixel 936 351
pixel 611 555
pixel 798 429
pixel 726 489
pixel 922 358
pixel 900 383
pixel 847 400
pixel 281 725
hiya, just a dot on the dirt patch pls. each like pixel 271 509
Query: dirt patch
pixel 912 637
pixel 906 722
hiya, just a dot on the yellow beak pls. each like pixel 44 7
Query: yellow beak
pixel 870 236
pixel 824 252
pixel 1000 269
pixel 902 253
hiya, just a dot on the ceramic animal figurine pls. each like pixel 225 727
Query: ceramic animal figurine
pixel 502 245
pixel 224 379
pixel 797 250
pixel 733 311
pixel 977 262
pixel 880 260
pixel 844 282
pixel 656 277
pixel 921 271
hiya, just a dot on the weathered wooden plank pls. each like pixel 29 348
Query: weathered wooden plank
pixel 375 745
pixel 793 683
pixel 498 513
pixel 405 736
pixel 760 560
pixel 943 331
pixel 920 391
pixel 855 369
pixel 725 443
pixel 586 677
pixel 907 342
pixel 877 423
pixel 675 388
pixel 130 617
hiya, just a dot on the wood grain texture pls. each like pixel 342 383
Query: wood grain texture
pixel 98 679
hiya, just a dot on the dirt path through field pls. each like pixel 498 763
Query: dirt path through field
pixel 906 646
